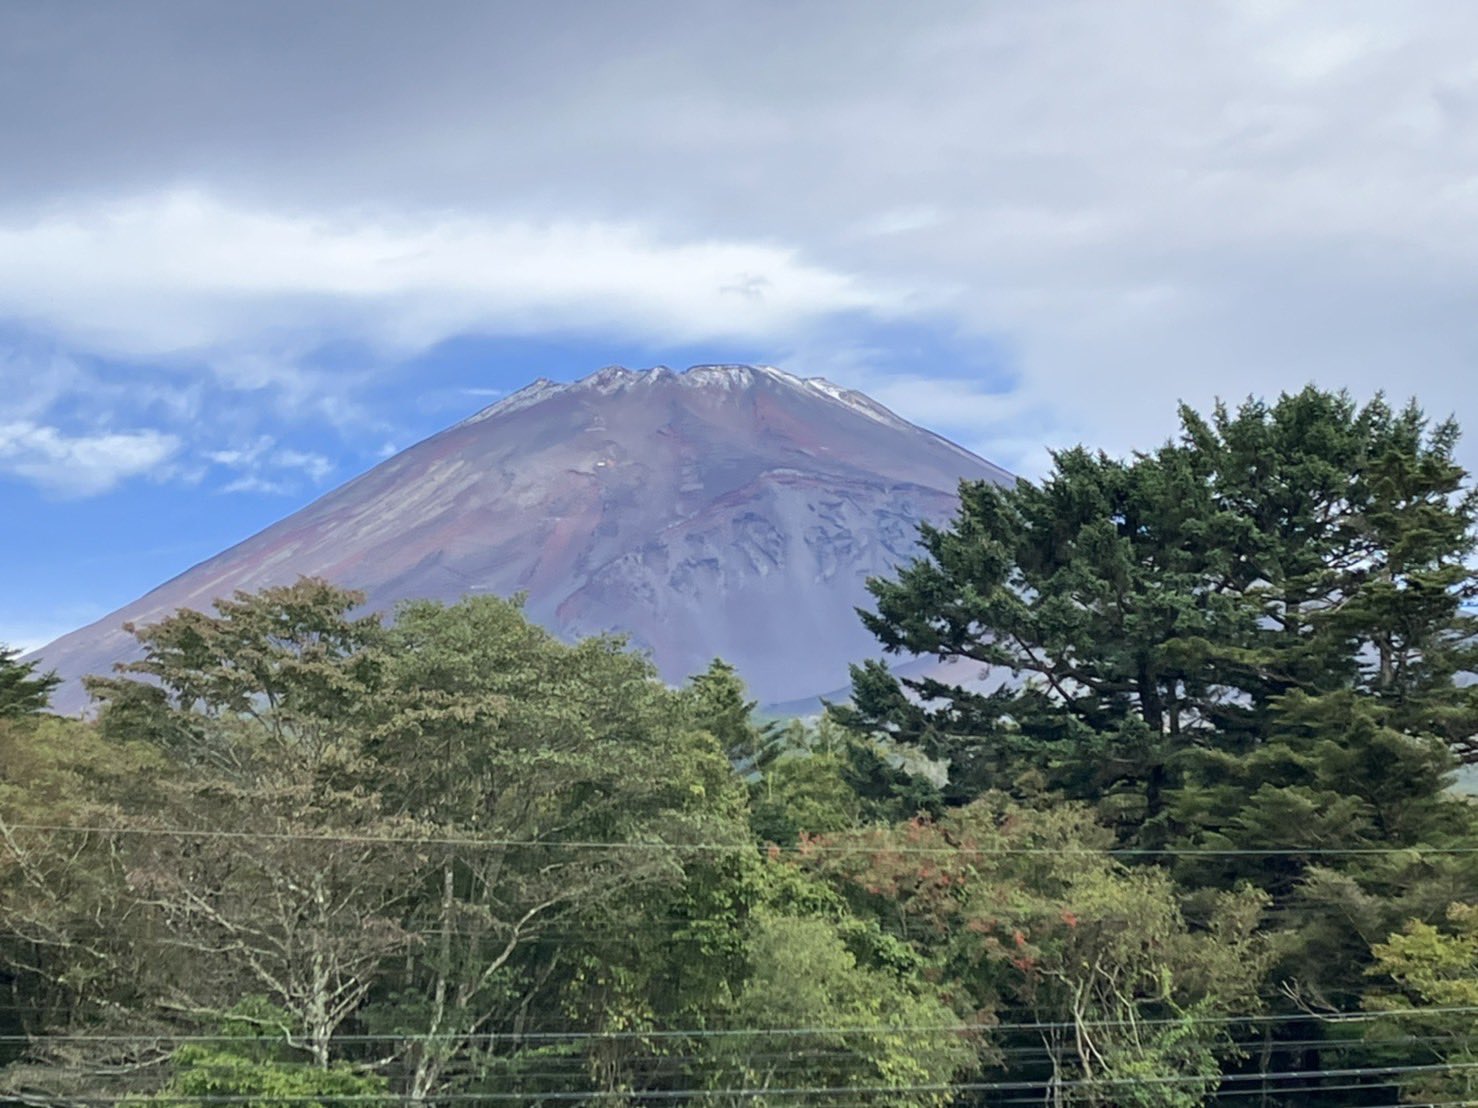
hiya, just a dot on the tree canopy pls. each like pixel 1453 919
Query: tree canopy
pixel 22 691
pixel 1183 836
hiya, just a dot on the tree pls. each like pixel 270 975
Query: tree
pixel 1435 969
pixel 253 1064
pixel 575 778
pixel 22 692
pixel 461 796
pixel 1252 642
pixel 1128 613
pixel 720 704
pixel 804 792
pixel 276 870
pixel 58 887
pixel 303 905
pixel 844 1024
pixel 1104 992
pixel 1332 773
pixel 73 949
pixel 284 672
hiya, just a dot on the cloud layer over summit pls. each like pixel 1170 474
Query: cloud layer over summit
pixel 247 249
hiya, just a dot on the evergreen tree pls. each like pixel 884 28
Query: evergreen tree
pixel 720 704
pixel 22 692
pixel 1129 615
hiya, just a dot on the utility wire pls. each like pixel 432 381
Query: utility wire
pixel 802 849
pixel 828 1090
pixel 1025 1052
pixel 711 1033
pixel 655 1067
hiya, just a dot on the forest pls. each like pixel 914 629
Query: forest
pixel 1180 825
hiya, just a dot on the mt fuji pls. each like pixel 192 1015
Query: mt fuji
pixel 729 511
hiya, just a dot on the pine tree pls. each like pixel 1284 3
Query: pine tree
pixel 1133 616
pixel 22 693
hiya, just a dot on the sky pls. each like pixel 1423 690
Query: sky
pixel 249 250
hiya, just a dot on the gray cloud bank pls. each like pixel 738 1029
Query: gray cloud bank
pixel 1137 201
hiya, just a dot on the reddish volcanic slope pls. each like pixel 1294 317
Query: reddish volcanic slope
pixel 729 511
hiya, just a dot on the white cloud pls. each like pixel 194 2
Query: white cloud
pixel 262 485
pixel 239 456
pixel 313 466
pixel 189 272
pixel 900 221
pixel 262 466
pixel 80 465
pixel 1139 201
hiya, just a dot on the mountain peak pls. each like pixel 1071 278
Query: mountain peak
pixel 720 376
pixel 535 392
pixel 734 375
pixel 701 512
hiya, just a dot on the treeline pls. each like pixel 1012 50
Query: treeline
pixel 1176 828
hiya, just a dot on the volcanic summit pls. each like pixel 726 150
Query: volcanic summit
pixel 726 511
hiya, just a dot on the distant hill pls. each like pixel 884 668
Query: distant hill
pixel 726 510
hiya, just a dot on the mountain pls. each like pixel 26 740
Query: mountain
pixel 727 510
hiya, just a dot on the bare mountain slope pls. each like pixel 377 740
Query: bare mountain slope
pixel 729 511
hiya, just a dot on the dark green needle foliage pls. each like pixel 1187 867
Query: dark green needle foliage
pixel 1130 617
pixel 22 691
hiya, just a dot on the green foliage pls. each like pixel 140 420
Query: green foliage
pixel 489 727
pixel 55 885
pixel 480 707
pixel 1331 774
pixel 422 849
pixel 264 1072
pixel 345 763
pixel 1433 968
pixel 275 678
pixel 719 702
pixel 1026 916
pixel 1138 613
pixel 818 777
pixel 878 1029
pixel 803 794
pixel 22 692
pixel 1252 642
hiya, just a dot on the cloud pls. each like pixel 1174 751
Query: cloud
pixel 262 466
pixel 186 272
pixel 900 221
pixel 1140 201
pixel 313 466
pixel 983 411
pixel 80 465
pixel 260 485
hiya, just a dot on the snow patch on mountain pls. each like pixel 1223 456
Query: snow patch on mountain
pixel 726 377
pixel 854 400
pixel 526 397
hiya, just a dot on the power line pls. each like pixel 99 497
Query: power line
pixel 833 1090
pixel 708 1033
pixel 656 1066
pixel 1020 1055
pixel 802 849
